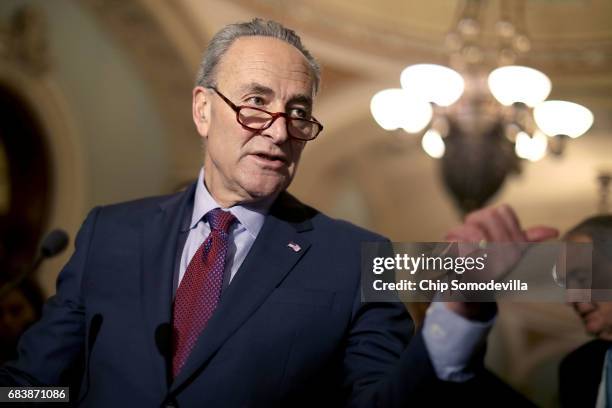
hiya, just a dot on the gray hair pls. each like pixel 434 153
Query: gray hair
pixel 599 229
pixel 225 37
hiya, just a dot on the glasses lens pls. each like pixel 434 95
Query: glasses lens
pixel 254 118
pixel 298 128
pixel 303 129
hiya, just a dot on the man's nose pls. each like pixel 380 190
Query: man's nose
pixel 583 307
pixel 278 130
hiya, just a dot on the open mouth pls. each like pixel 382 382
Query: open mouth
pixel 587 316
pixel 270 158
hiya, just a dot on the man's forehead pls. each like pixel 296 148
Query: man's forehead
pixel 264 59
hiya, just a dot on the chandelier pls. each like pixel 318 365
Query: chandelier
pixel 481 124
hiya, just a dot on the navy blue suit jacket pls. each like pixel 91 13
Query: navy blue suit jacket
pixel 580 374
pixel 290 330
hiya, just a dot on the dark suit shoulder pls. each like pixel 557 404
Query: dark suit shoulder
pixel 290 209
pixel 141 204
pixel 589 354
pixel 132 215
pixel 580 374
pixel 348 229
pixel 144 207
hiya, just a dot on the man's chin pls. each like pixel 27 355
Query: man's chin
pixel 595 330
pixel 602 333
pixel 266 190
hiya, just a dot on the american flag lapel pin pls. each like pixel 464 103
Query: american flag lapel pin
pixel 294 246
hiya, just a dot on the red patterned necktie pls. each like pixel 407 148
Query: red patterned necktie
pixel 199 290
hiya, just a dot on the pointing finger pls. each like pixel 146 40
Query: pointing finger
pixel 541 233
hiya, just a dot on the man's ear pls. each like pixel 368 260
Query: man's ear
pixel 201 110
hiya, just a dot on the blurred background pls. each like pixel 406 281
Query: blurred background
pixel 95 108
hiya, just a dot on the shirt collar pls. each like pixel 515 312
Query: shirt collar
pixel 250 216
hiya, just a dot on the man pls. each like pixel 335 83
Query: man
pixel 585 376
pixel 289 327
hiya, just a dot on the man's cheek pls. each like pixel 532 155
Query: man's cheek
pixel 296 150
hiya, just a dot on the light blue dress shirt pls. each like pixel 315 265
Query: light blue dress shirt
pixel 451 340
pixel 250 219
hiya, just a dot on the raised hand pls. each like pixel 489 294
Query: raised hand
pixel 493 225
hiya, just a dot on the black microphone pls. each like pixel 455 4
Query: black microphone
pixel 163 341
pixel 94 330
pixel 53 243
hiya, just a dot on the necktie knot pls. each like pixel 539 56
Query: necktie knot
pixel 220 220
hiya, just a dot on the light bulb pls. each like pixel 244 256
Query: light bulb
pixel 433 83
pixel 514 83
pixel 563 118
pixel 433 144
pixel 531 148
pixel 395 108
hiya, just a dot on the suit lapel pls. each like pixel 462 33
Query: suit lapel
pixel 159 248
pixel 270 259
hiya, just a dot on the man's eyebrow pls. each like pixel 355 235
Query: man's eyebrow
pixel 264 90
pixel 257 88
pixel 301 98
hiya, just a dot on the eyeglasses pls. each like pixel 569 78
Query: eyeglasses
pixel 256 119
